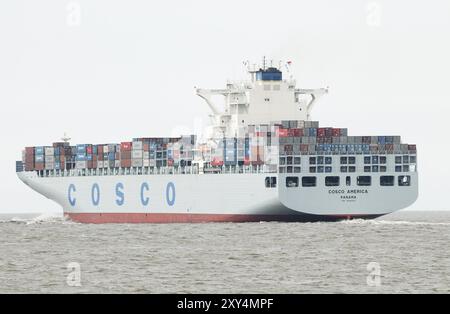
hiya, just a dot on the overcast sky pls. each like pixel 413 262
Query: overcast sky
pixel 106 71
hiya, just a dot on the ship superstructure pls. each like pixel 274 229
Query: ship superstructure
pixel 262 159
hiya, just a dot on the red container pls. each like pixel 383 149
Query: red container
pixel 29 166
pixel 320 132
pixel 126 154
pixel 412 147
pixel 217 162
pixel 146 147
pixel 100 157
pixel 336 132
pixel 124 146
pixel 282 132
pixel 100 149
pixel 125 163
pixel 246 161
pixel 304 147
pixel 298 132
pixel 39 166
pixel 170 162
pixel 29 150
pixel 89 149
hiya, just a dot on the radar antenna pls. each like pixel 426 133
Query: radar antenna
pixel 65 138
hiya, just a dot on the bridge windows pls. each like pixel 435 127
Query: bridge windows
pixel 271 182
pixel 404 180
pixel 364 180
pixel 309 181
pixel 332 181
pixel 387 180
pixel 348 180
pixel 291 182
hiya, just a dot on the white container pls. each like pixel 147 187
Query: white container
pixel 49 151
pixel 146 155
pixel 49 159
pixel 117 163
pixel 136 154
pixel 137 145
pixel 80 164
pixel 49 165
pixel 136 163
pixel 100 164
pixel 146 163
pixel 105 149
pixel 152 163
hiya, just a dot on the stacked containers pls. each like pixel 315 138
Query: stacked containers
pixel 125 154
pixel 81 157
pixel 137 154
pixel 29 159
pixel 49 157
pixel 230 151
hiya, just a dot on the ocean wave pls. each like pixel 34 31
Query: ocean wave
pixel 39 219
pixel 394 222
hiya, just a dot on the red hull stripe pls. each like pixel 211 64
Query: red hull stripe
pixel 97 218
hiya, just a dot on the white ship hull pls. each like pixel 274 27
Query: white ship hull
pixel 215 197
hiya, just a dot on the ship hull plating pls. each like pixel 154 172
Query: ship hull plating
pixel 210 198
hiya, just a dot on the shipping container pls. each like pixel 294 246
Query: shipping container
pixel 125 146
pixel 49 151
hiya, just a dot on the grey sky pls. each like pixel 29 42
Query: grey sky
pixel 126 69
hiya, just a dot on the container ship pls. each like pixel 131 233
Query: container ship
pixel 261 158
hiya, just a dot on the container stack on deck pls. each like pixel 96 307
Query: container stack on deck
pixel 261 144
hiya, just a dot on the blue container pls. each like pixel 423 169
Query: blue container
pixel 81 148
pixel 57 166
pixel 382 140
pixel 89 157
pixel 39 150
pixel 57 151
pixel 81 157
pixel 39 158
pixel 312 132
pixel 366 147
pixel 111 156
pixel 95 149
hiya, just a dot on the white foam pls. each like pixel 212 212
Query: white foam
pixel 47 218
pixel 394 222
